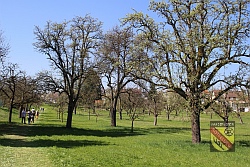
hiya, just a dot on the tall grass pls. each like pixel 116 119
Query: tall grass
pixel 95 143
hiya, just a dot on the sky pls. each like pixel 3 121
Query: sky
pixel 19 17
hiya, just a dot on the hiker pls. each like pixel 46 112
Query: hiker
pixel 29 116
pixel 33 115
pixel 23 116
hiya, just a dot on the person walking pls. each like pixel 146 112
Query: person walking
pixel 23 116
pixel 29 116
pixel 33 112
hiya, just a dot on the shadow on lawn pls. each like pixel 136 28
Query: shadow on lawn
pixel 50 143
pixel 243 143
pixel 38 130
pixel 50 130
pixel 166 130
pixel 17 135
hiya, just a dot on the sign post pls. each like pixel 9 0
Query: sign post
pixel 222 136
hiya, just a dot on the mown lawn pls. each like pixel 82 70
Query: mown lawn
pixel 47 143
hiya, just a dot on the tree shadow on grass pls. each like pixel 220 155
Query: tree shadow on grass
pixel 50 130
pixel 17 135
pixel 246 135
pixel 50 143
pixel 166 130
pixel 38 130
pixel 243 143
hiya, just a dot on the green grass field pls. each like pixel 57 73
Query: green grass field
pixel 93 143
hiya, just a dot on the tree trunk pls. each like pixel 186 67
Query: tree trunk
pixel 93 107
pixel 155 119
pixel 20 111
pixel 10 113
pixel 120 109
pixel 71 107
pixel 113 116
pixel 168 115
pixel 132 126
pixel 239 116
pixel 96 117
pixel 62 115
pixel 195 118
pixel 113 111
pixel 11 107
pixel 195 125
pixel 120 113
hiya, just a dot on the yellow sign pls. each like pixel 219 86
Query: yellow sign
pixel 222 136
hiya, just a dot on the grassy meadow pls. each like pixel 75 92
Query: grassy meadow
pixel 93 142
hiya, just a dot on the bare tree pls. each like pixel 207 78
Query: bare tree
pixel 10 77
pixel 68 46
pixel 4 48
pixel 115 64
pixel 173 102
pixel 27 93
pixel 193 42
pixel 155 102
pixel 61 102
pixel 133 101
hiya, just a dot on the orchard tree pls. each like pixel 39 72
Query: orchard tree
pixel 115 59
pixel 28 92
pixel 4 48
pixel 10 77
pixel 193 41
pixel 91 89
pixel 133 101
pixel 173 102
pixel 155 101
pixel 68 46
pixel 61 102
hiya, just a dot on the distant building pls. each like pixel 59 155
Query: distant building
pixel 237 100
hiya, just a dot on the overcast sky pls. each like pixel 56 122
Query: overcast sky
pixel 18 18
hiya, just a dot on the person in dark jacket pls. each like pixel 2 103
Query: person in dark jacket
pixel 23 115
